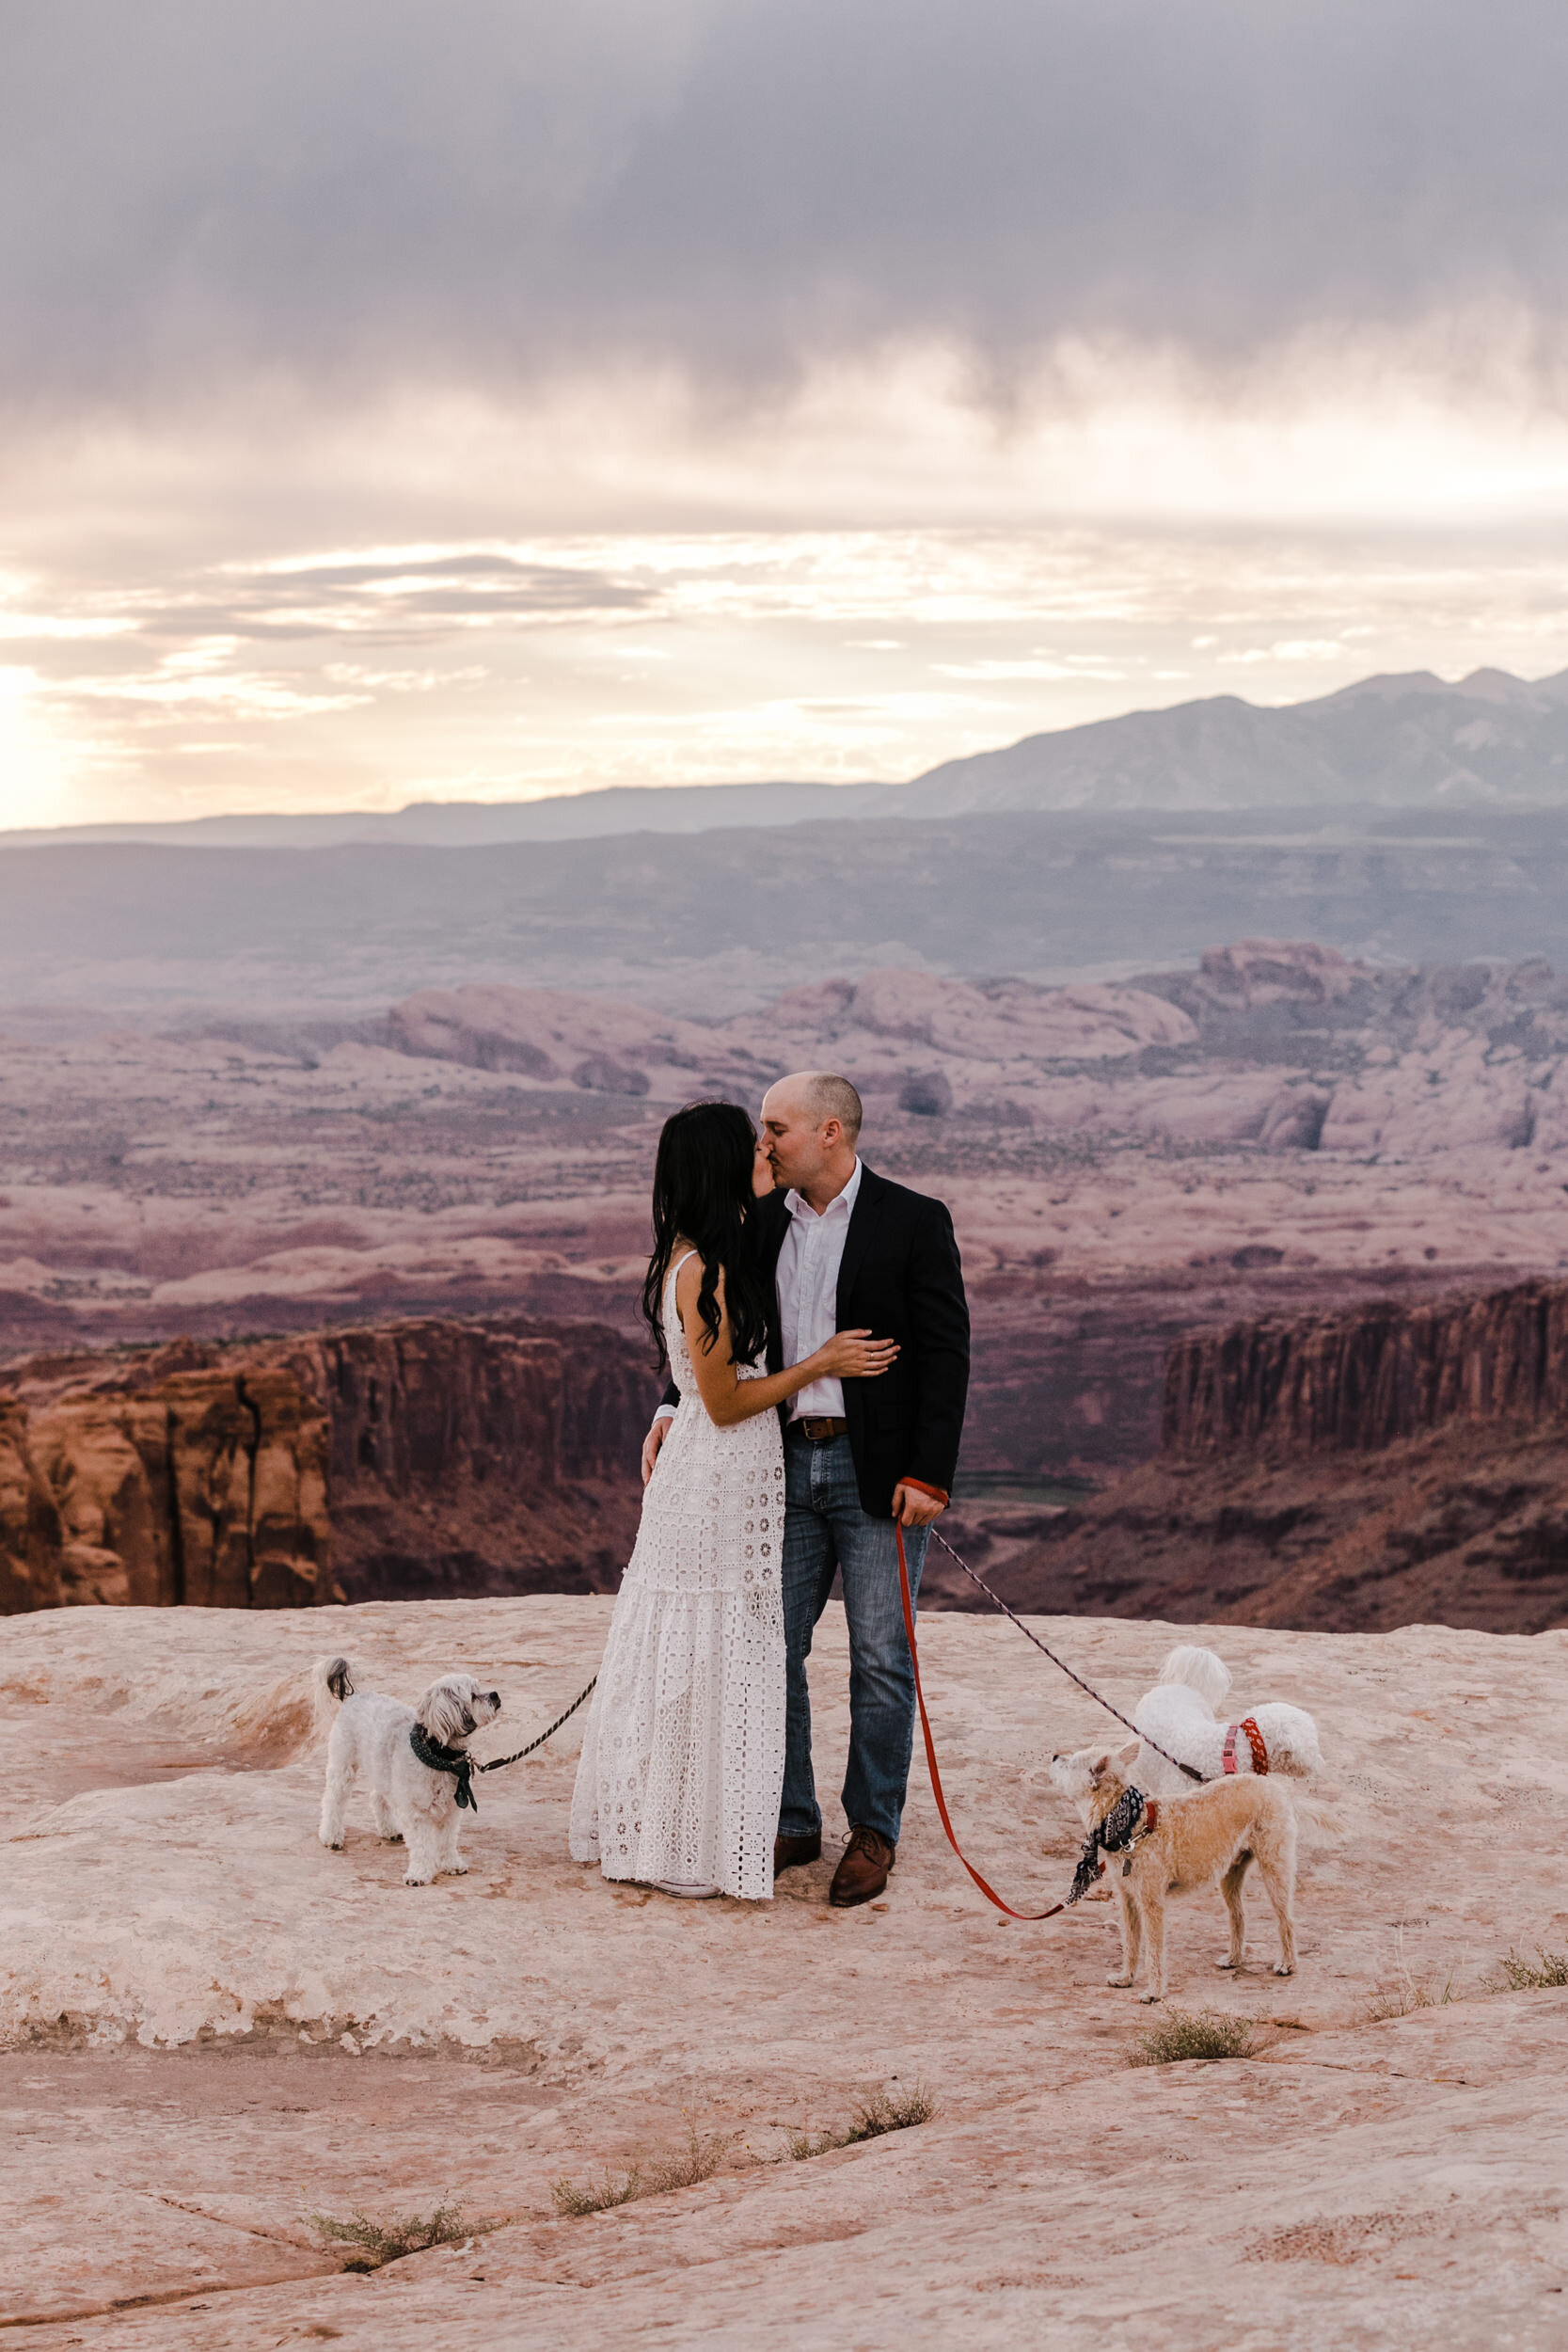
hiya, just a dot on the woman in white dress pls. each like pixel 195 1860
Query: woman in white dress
pixel 683 1755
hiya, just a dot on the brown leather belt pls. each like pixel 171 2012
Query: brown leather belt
pixel 822 1426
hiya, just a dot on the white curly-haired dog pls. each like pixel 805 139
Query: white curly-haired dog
pixel 417 1801
pixel 1180 1713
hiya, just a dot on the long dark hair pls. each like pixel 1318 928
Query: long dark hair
pixel 702 1190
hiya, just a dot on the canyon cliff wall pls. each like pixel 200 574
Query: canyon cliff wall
pixel 204 1487
pixel 384 1462
pixel 1370 1377
pixel 1346 1472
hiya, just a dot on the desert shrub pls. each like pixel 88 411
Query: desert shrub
pixel 591 2196
pixel 376 2243
pixel 698 2160
pixel 1405 1993
pixel 1524 1976
pixel 1404 1998
pixel 1184 2033
pixel 881 2111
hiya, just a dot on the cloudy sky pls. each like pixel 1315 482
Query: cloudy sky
pixel 403 401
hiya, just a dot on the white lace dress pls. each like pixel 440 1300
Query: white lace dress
pixel 683 1751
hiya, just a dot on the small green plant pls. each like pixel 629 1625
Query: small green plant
pixel 1184 2033
pixel 591 2196
pixel 881 2112
pixel 1523 1976
pixel 376 2243
pixel 699 2160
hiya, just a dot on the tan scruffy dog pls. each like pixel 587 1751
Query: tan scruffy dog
pixel 1164 1846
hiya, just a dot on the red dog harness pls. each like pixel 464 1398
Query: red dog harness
pixel 1254 1741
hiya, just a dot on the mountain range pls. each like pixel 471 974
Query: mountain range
pixel 1408 741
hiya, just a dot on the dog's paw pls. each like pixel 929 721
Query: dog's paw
pixel 1227 1962
pixel 1283 1969
pixel 413 1882
pixel 391 1837
pixel 1120 1982
pixel 1150 1996
pixel 457 1869
pixel 333 1845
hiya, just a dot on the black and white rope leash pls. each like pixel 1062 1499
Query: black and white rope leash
pixel 497 1761
pixel 1087 1688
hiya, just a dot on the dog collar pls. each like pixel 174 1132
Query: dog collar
pixel 1255 1741
pixel 443 1759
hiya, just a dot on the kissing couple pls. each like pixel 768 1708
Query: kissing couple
pixel 813 1320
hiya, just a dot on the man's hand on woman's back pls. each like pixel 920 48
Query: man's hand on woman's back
pixel 651 1444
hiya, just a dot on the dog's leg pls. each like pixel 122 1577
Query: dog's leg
pixel 1277 1862
pixel 340 1780
pixel 1154 1938
pixel 450 1862
pixel 425 1851
pixel 1230 1886
pixel 385 1819
pixel 1132 1932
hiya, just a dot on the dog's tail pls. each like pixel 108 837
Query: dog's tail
pixel 1316 1812
pixel 1300 1759
pixel 331 1683
pixel 277 1721
pixel 1200 1670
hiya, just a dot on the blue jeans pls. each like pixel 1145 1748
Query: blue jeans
pixel 825 1529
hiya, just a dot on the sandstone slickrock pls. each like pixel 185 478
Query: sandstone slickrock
pixel 214 2030
pixel 401 1457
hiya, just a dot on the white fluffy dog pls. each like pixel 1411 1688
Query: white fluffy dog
pixel 417 1801
pixel 1179 1712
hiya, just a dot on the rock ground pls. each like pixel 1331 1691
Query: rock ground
pixel 210 2030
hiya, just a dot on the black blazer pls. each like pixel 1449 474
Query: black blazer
pixel 901 1279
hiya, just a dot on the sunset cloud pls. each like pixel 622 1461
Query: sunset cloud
pixel 686 392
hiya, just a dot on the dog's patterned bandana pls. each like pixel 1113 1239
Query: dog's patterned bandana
pixel 441 1759
pixel 1116 1833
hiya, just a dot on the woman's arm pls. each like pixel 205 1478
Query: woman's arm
pixel 727 1398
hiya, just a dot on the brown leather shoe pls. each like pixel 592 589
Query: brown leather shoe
pixel 868 1859
pixel 792 1854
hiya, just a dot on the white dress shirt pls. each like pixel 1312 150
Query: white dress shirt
pixel 807 1286
pixel 809 1262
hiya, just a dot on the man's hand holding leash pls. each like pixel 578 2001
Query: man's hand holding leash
pixel 915 1505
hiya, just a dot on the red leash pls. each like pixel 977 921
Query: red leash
pixel 989 1892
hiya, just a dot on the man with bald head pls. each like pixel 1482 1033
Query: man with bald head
pixel 852 1251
